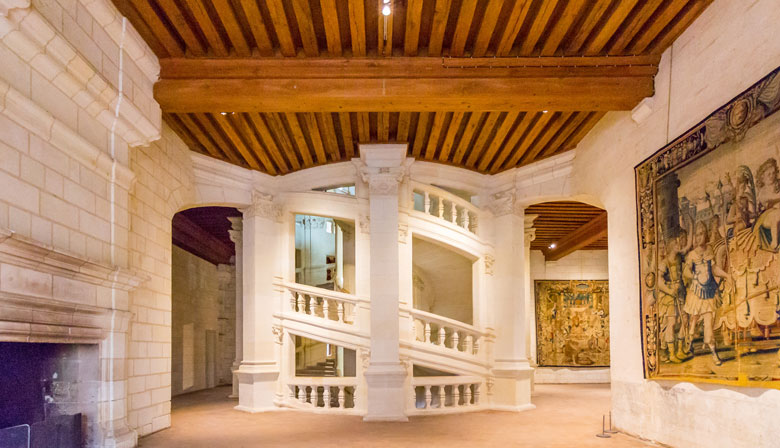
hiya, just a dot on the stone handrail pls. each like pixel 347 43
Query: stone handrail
pixel 327 393
pixel 323 303
pixel 445 393
pixel 444 205
pixel 447 333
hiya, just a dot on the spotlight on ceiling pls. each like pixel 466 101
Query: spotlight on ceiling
pixel 552 246
pixel 544 111
pixel 386 10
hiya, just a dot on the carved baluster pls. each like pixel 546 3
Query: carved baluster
pixel 325 308
pixel 312 305
pixel 475 350
pixel 467 344
pixel 427 206
pixel 476 394
pixel 473 223
pixel 302 394
pixel 467 394
pixel 427 332
pixel 294 300
pixel 340 311
pixel 413 404
pixel 442 397
pixel 455 340
pixel 441 206
pixel 301 303
pixel 326 397
pixel 456 395
pixel 428 397
pixel 341 397
pixel 465 223
pixel 442 335
pixel 453 213
pixel 354 397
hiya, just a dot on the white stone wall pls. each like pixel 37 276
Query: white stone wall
pixel 729 47
pixel 579 265
pixel 200 291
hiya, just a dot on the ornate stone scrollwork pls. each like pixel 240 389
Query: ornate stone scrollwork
pixel 365 223
pixel 403 232
pixel 365 357
pixel 502 203
pixel 263 206
pixel 489 260
pixel 489 382
pixel 278 333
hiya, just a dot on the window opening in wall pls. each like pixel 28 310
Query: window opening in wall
pixel 316 358
pixel 325 252
pixel 348 190
pixel 442 281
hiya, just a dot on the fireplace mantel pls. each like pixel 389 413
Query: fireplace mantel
pixel 49 295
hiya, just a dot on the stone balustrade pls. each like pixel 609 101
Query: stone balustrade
pixel 447 333
pixel 327 394
pixel 323 303
pixel 446 206
pixel 445 394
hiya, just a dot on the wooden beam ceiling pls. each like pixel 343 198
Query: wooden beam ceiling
pixel 569 226
pixel 404 84
pixel 464 82
pixel 204 232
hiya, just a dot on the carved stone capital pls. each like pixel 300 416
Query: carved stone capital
pixel 530 231
pixel 263 206
pixel 365 223
pixel 383 181
pixel 403 232
pixel 8 5
pixel 365 357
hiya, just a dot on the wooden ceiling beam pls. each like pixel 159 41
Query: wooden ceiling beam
pixel 486 28
pixel 572 10
pixel 346 134
pixel 422 131
pixel 462 27
pixel 404 120
pixel 270 144
pixel 433 139
pixel 227 126
pixel 392 85
pixel 520 130
pixel 482 140
pixel 465 139
pixel 276 126
pixel 587 234
pixel 192 238
pixel 156 24
pixel 449 138
pixel 632 26
pixel 661 20
pixel 332 30
pixel 515 22
pixel 357 27
pixel 328 131
pixel 303 15
pixel 257 27
pixel 413 22
pixel 595 12
pixel 281 26
pixel 178 21
pixel 538 26
pixel 317 137
pixel 441 12
pixel 300 141
pixel 673 30
pixel 611 25
pixel 210 131
pixel 498 140
pixel 527 141
pixel 242 123
pixel 229 21
pixel 201 15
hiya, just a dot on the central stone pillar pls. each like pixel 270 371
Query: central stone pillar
pixel 512 370
pixel 382 170
pixel 259 368
pixel 236 235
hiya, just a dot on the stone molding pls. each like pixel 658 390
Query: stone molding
pixel 28 34
pixel 502 203
pixel 530 231
pixel 489 260
pixel 40 289
pixel 110 19
pixel 263 206
pixel 25 112
pixel 30 254
pixel 364 221
pixel 403 232
pixel 383 181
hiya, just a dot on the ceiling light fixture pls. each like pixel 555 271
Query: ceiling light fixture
pixel 552 246
pixel 544 111
pixel 386 10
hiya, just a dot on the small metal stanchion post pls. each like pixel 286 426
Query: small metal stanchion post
pixel 611 430
pixel 603 434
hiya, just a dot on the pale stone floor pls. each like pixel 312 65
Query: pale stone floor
pixel 566 416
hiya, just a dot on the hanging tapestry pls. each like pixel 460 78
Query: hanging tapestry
pixel 572 323
pixel 709 234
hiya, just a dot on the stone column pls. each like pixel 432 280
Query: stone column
pixel 512 371
pixel 382 170
pixel 259 369
pixel 530 303
pixel 236 235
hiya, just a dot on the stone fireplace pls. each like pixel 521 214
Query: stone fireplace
pixel 63 337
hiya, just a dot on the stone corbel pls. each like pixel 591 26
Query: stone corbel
pixel 530 231
pixel 502 203
pixel 489 260
pixel 278 333
pixel 403 232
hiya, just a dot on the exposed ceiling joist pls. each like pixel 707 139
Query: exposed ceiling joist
pixel 191 237
pixel 587 234
pixel 411 84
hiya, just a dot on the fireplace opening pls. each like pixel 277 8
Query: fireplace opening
pixel 53 388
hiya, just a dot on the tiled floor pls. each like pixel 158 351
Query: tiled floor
pixel 566 416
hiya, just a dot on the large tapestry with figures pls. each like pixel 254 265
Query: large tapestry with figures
pixel 709 235
pixel 572 323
